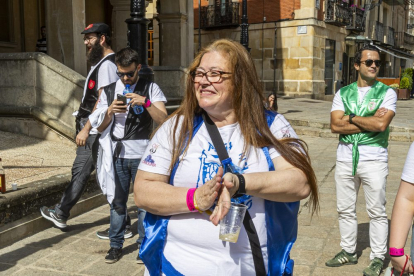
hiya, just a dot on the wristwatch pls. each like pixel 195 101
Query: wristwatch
pixel 241 191
pixel 147 103
pixel 352 115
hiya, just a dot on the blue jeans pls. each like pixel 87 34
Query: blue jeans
pixel 125 171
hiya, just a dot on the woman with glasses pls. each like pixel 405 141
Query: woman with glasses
pixel 183 186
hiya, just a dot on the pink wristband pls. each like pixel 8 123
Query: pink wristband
pixel 147 104
pixel 396 252
pixel 190 200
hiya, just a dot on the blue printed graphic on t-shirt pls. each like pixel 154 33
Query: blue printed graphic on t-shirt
pixel 208 170
pixel 149 161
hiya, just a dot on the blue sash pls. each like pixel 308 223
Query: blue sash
pixel 281 222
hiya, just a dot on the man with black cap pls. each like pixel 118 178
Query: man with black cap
pixel 103 72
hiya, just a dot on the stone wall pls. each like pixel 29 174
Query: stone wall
pixel 36 86
pixel 300 58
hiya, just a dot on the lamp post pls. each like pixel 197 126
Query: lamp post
pixel 138 37
pixel 244 37
pixel 199 25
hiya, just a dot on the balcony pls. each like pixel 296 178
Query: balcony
pixel 222 15
pixel 390 36
pixel 356 18
pixel 395 2
pixel 404 41
pixel 337 13
pixel 376 31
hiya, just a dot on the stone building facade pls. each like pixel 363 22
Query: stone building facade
pixel 299 51
pixel 300 48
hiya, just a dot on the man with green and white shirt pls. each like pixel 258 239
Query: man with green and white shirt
pixel 361 114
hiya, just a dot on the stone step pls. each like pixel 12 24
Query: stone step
pixel 315 132
pixel 19 210
pixel 326 133
pixel 401 136
pixel 307 123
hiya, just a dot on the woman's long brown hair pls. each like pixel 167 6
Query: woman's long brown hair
pixel 248 101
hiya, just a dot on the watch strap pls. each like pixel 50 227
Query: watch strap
pixel 241 191
pixel 352 115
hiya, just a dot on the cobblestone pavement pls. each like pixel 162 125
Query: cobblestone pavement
pixel 77 250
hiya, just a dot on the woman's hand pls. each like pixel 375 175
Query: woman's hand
pixel 207 194
pixel 398 263
pixel 228 189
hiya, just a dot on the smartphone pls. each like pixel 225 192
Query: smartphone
pixel 122 98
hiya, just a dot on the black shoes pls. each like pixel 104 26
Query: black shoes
pixel 104 235
pixel 50 214
pixel 113 255
pixel 139 260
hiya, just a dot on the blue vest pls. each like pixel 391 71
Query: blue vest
pixel 281 222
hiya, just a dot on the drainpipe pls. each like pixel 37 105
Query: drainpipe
pixel 244 37
pixel 274 70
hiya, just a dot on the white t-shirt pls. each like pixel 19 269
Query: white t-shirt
pixel 192 244
pixel 132 149
pixel 106 75
pixel 366 153
pixel 408 172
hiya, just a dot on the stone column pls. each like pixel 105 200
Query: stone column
pixel 176 46
pixel 120 12
pixel 176 27
pixel 65 21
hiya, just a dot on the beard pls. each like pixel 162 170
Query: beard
pixel 95 54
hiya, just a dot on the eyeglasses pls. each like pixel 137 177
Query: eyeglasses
pixel 212 76
pixel 369 62
pixel 88 39
pixel 128 74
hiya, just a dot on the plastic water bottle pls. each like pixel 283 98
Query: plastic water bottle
pixel 127 90
pixel 138 109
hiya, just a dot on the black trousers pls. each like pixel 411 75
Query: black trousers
pixel 82 168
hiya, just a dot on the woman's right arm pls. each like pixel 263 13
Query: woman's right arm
pixel 401 221
pixel 153 193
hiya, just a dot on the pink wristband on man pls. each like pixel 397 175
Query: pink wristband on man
pixel 396 252
pixel 190 200
pixel 147 103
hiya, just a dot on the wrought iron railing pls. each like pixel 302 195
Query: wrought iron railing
pixel 337 13
pixel 356 23
pixel 221 15
pixel 402 38
pixel 376 31
pixel 390 36
pixel 408 38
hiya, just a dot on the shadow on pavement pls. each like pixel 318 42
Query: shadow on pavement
pixel 363 241
pixel 11 258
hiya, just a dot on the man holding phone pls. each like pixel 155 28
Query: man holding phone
pixel 128 132
pixel 361 113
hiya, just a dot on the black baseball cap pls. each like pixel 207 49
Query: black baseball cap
pixel 101 28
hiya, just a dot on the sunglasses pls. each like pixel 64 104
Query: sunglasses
pixel 369 62
pixel 128 74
